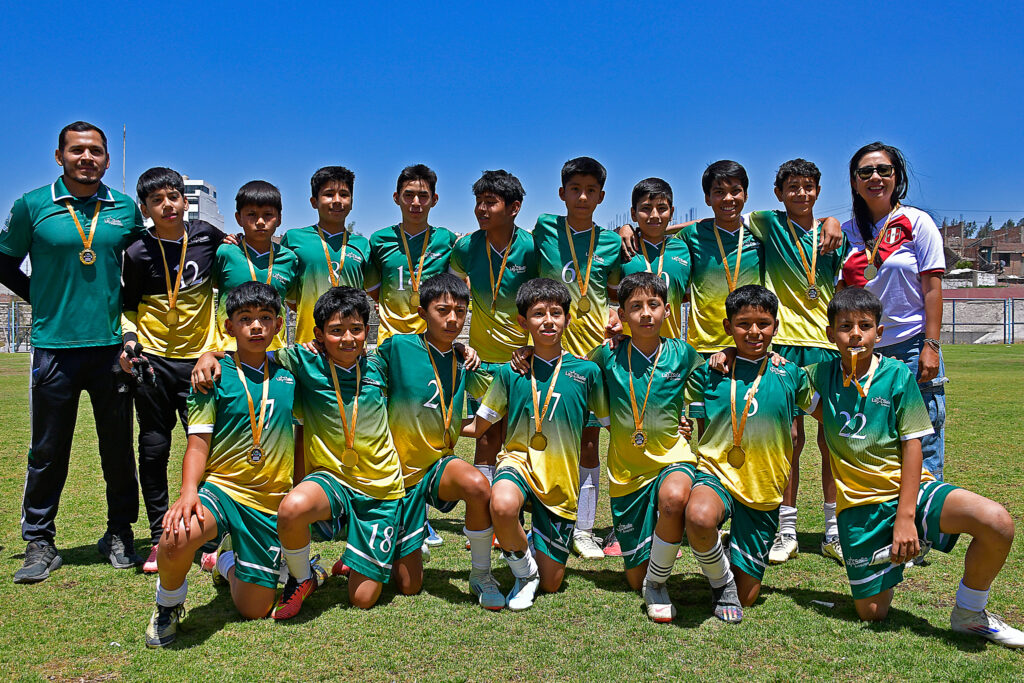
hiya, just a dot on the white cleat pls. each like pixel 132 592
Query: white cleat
pixel 523 593
pixel 585 544
pixel 783 549
pixel 986 625
pixel 659 606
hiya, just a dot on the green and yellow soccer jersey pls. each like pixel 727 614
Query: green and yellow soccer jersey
pixel 377 472
pixel 865 435
pixel 631 468
pixel 415 400
pixel 223 412
pixel 350 264
pixel 493 331
pixel 709 285
pixel 553 473
pixel 586 329
pixel 672 259
pixel 232 270
pixel 802 320
pixel 758 482
pixel 391 263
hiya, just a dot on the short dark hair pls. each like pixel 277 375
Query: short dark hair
pixel 861 213
pixel 79 127
pixel 584 166
pixel 854 299
pixel 751 296
pixel 331 174
pixel 417 172
pixel 436 287
pixel 542 289
pixel 642 282
pixel 343 301
pixel 723 170
pixel 800 168
pixel 258 193
pixel 501 183
pixel 158 178
pixel 652 188
pixel 258 295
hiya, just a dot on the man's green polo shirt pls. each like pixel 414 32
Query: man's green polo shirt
pixel 73 305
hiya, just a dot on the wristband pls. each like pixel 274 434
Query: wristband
pixel 934 343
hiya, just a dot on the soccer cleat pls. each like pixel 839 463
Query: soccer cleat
pixel 784 548
pixel 296 592
pixel 163 625
pixel 207 561
pixel 425 553
pixel 830 548
pixel 41 558
pixel 485 587
pixel 433 539
pixel 119 550
pixel 340 568
pixel 612 547
pixel 523 593
pixel 986 625
pixel 726 601
pixel 225 545
pixel 149 566
pixel 659 606
pixel 585 544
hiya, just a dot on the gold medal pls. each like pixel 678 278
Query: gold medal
pixel 732 279
pixel 870 271
pixel 737 456
pixel 447 411
pixel 852 377
pixel 414 300
pixel 255 455
pixel 810 269
pixel 172 317
pixel 349 458
pixel 812 294
pixel 583 305
pixel 414 275
pixel 584 282
pixel 538 441
pixel 639 438
pixel 87 256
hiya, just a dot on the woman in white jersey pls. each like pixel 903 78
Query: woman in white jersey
pixel 896 253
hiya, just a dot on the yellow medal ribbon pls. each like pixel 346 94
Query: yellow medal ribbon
pixel 812 268
pixel 349 457
pixel 87 256
pixel 327 255
pixel 871 270
pixel 446 413
pixel 414 278
pixel 729 277
pixel 737 431
pixel 501 271
pixel 639 436
pixel 852 377
pixel 539 442
pixel 661 261
pixel 172 292
pixel 256 453
pixel 582 282
pixel 252 270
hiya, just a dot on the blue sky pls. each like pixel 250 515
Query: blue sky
pixel 231 93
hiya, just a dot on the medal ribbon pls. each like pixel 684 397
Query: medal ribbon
pixel 729 277
pixel 414 277
pixel 811 269
pixel 852 377
pixel 881 234
pixel 86 240
pixel 252 271
pixel 583 283
pixel 661 261
pixel 538 416
pixel 737 433
pixel 638 417
pixel 257 426
pixel 350 436
pixel 172 294
pixel 501 271
pixel 446 414
pixel 327 255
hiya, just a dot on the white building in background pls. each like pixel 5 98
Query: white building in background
pixel 202 202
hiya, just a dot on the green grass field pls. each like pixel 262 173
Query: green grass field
pixel 87 621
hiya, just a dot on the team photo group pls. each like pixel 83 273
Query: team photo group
pixel 323 436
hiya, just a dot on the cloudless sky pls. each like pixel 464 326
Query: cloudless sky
pixel 231 92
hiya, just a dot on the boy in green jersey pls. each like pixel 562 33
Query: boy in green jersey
pixel 328 253
pixel 497 259
pixel 237 469
pixel 427 384
pixel 256 258
pixel 890 510
pixel 650 465
pixel 573 250
pixel 406 254
pixel 539 465
pixel 744 452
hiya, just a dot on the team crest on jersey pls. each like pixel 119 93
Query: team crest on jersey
pixel 575 376
pixel 680 261
pixel 668 374
pixel 285 378
pixel 781 372
pixel 517 269
pixel 880 401
pixel 109 220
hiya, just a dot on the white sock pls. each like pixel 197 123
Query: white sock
pixel 522 567
pixel 968 598
pixel 225 561
pixel 487 471
pixel 480 548
pixel 298 562
pixel 663 556
pixel 787 520
pixel 166 598
pixel 831 525
pixel 587 512
pixel 715 565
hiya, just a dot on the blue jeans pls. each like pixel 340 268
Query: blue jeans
pixel 933 446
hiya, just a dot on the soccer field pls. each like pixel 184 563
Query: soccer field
pixel 87 621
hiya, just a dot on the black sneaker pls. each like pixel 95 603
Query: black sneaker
pixel 41 558
pixel 119 549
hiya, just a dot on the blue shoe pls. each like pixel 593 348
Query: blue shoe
pixel 432 538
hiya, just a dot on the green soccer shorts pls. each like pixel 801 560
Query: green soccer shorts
pixel 414 507
pixel 369 525
pixel 752 531
pixel 552 534
pixel 253 536
pixel 866 529
pixel 635 515
pixel 803 356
